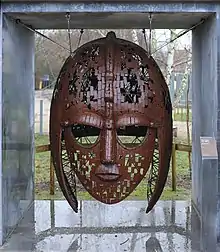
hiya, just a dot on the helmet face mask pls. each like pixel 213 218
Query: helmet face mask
pixel 109 110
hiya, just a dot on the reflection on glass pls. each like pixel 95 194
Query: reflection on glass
pixel 100 227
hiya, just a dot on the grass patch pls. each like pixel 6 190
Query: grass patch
pixel 42 179
pixel 42 161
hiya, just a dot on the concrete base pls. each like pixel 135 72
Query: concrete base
pixel 53 226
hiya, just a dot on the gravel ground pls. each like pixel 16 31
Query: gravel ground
pixel 182 129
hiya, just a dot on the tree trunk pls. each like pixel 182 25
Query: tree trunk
pixel 170 57
pixel 134 36
pixel 184 83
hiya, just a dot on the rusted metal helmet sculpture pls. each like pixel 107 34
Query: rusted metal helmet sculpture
pixel 111 122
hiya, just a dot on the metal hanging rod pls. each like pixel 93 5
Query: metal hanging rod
pixel 18 21
pixel 180 35
pixel 145 38
pixel 29 27
pixel 150 34
pixel 69 31
pixel 80 37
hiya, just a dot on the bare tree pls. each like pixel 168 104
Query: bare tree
pixel 170 56
pixel 50 57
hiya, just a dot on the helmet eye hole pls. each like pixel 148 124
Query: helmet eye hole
pixel 85 135
pixel 132 136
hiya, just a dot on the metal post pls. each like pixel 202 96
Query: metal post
pixel 174 167
pixel 52 184
pixel 52 214
pixel 41 117
pixel 209 191
pixel 40 84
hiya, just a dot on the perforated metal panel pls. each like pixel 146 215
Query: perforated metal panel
pixel 110 121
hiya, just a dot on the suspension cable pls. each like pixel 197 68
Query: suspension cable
pixel 29 27
pixel 179 35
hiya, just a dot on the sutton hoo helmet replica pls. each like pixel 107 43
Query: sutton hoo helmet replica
pixel 111 122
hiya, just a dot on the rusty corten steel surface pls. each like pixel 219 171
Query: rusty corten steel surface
pixel 110 113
